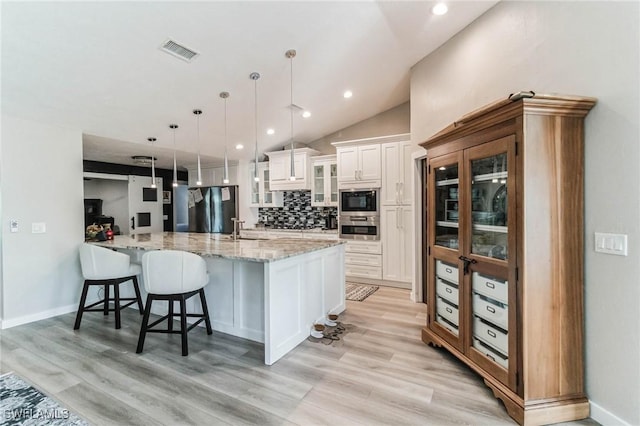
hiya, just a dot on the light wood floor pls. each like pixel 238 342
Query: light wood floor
pixel 379 373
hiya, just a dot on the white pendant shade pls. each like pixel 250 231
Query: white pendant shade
pixel 225 178
pixel 255 76
pixel 197 113
pixel 153 167
pixel 175 166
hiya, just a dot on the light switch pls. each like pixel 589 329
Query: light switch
pixel 611 243
pixel 38 228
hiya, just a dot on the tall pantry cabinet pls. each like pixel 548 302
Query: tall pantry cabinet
pixel 504 252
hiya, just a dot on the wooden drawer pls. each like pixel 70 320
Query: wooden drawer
pixel 447 272
pixel 363 259
pixel 491 335
pixel 446 324
pixel 492 311
pixel 374 247
pixel 363 271
pixel 447 311
pixel 490 353
pixel 447 291
pixel 493 288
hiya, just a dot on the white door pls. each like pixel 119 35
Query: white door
pixel 391 248
pixel 406 244
pixel 347 163
pixel 144 216
pixel 369 159
pixel 405 149
pixel 390 174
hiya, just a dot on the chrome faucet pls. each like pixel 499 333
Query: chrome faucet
pixel 236 231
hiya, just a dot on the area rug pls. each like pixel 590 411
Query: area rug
pixel 359 292
pixel 22 404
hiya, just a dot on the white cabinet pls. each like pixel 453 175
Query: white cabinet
pixel 212 176
pixel 280 169
pixel 396 230
pixel 324 181
pixel 363 259
pixel 358 166
pixel 261 193
pixel 396 173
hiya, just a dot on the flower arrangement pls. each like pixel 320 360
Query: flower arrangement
pixel 93 230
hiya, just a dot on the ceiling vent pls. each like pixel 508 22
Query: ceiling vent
pixel 175 49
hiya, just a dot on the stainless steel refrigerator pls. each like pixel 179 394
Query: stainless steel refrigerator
pixel 211 209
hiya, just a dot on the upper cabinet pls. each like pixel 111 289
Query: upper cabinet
pixel 396 173
pixel 359 166
pixel 280 169
pixel 324 189
pixel 261 193
pixel 360 162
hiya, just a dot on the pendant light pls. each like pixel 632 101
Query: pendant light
pixel 225 178
pixel 175 168
pixel 291 54
pixel 153 167
pixel 197 113
pixel 255 76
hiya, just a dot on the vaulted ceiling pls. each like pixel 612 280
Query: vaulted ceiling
pixel 98 67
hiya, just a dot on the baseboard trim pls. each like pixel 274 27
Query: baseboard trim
pixel 605 417
pixel 384 283
pixel 26 319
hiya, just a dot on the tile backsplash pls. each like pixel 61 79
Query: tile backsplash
pixel 297 213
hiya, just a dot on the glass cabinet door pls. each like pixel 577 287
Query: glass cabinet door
pixel 486 256
pixel 446 301
pixel 489 206
pixel 334 184
pixel 268 194
pixel 255 188
pixel 318 184
pixel 446 206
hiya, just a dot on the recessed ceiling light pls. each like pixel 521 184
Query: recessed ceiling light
pixel 239 146
pixel 440 9
pixel 306 114
pixel 270 131
pixel 348 94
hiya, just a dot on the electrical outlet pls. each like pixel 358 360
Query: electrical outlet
pixel 13 225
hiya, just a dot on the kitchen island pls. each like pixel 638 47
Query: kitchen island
pixel 269 291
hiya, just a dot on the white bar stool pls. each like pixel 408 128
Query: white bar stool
pixel 105 267
pixel 174 275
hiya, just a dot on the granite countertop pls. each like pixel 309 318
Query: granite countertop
pixel 222 246
pixel 298 231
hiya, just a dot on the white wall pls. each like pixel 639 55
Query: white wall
pixel 581 48
pixel 41 179
pixel 115 199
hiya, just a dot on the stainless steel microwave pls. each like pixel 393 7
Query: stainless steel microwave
pixel 363 202
pixel 360 227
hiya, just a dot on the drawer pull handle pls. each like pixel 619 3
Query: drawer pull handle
pixel 490 357
pixel 491 333
pixel 449 270
pixel 490 309
pixel 448 290
pixel 490 284
pixel 449 310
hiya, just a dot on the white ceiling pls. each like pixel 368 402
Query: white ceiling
pixel 97 66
